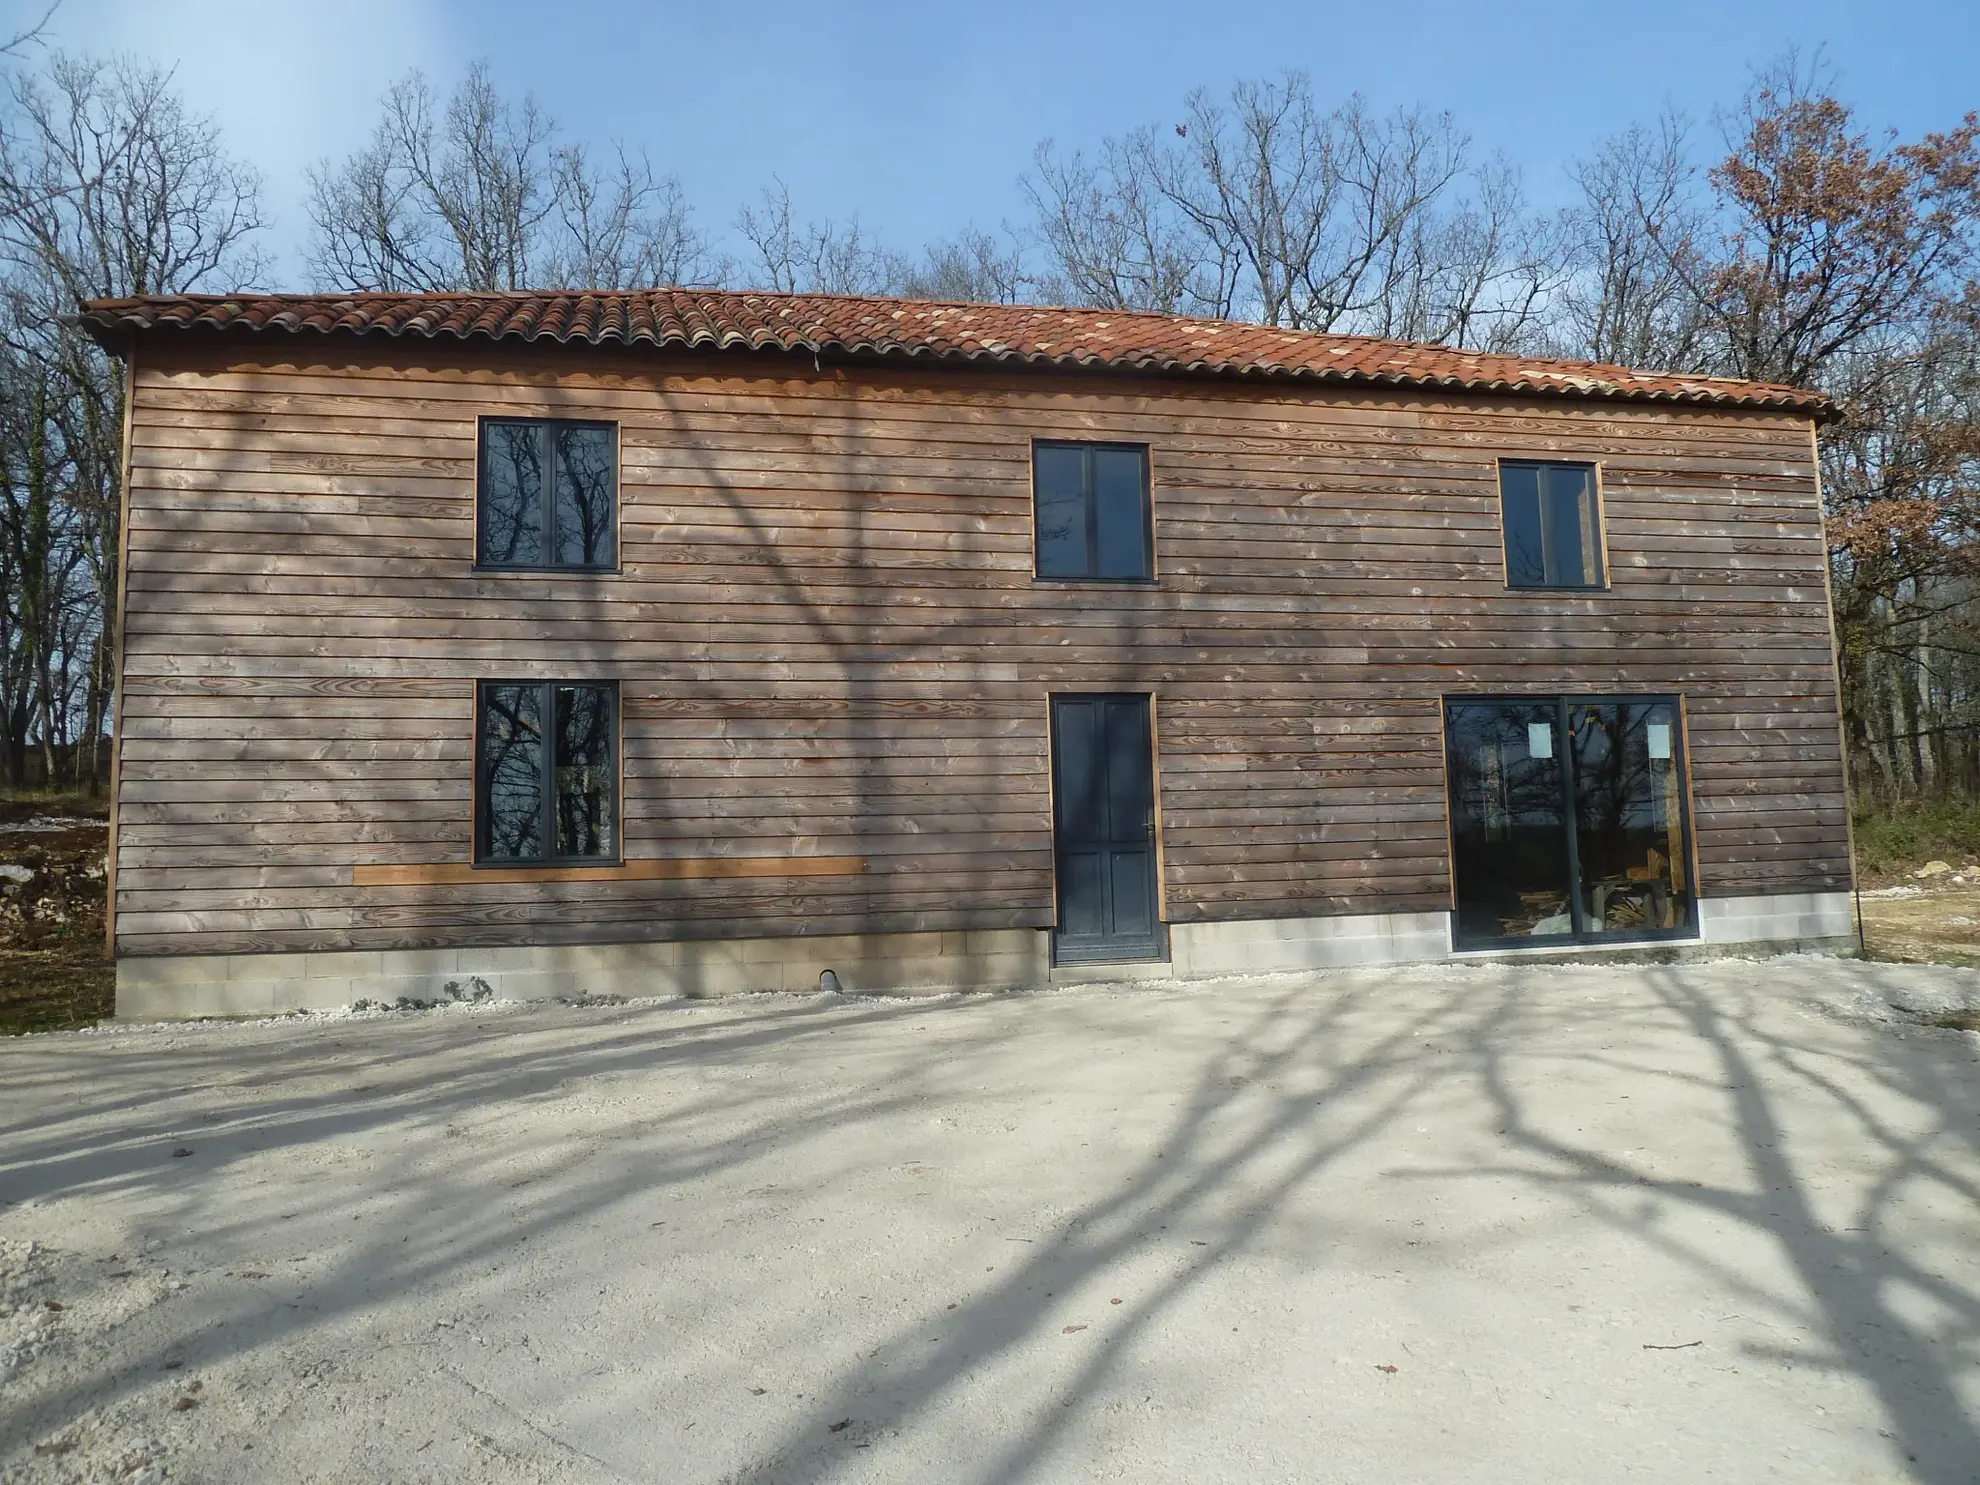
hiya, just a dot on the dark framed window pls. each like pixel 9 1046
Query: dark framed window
pixel 1093 515
pixel 1568 820
pixel 546 773
pixel 1552 524
pixel 547 494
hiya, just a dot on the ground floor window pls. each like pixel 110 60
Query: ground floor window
pixel 1567 819
pixel 546 780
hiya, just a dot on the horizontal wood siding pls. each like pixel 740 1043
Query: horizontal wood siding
pixel 829 642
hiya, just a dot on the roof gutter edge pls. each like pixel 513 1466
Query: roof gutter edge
pixel 116 333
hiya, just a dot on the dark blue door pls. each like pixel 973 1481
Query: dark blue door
pixel 1103 794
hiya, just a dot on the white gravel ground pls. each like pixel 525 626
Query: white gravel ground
pixel 1480 1224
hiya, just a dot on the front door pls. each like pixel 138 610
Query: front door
pixel 1103 797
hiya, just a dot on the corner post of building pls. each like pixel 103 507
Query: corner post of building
pixel 116 638
pixel 1835 670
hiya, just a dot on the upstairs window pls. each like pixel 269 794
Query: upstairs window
pixel 546 780
pixel 548 494
pixel 1553 534
pixel 1092 511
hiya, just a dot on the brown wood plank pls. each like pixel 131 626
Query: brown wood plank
pixel 826 632
pixel 678 869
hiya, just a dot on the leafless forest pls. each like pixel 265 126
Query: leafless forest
pixel 1783 238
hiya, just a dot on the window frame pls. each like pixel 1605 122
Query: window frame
pixel 1086 446
pixel 546 779
pixel 547 497
pixel 1597 517
pixel 1579 937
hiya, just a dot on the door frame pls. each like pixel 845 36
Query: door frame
pixel 1158 904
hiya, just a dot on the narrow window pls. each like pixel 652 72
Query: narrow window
pixel 546 781
pixel 1092 511
pixel 1552 535
pixel 548 493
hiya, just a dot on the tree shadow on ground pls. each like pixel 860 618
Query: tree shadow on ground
pixel 1300 1076
pixel 1795 1102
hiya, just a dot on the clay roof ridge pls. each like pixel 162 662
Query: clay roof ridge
pixel 941 331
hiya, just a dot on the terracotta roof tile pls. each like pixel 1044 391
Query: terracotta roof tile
pixel 917 330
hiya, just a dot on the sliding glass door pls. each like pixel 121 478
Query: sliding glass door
pixel 1567 820
pixel 1509 833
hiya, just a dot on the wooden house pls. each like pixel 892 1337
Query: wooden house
pixel 697 641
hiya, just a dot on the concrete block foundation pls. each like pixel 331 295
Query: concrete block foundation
pixel 1274 945
pixel 162 987
pixel 166 987
pixel 1818 919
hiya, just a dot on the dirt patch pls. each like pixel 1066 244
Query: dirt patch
pixel 1919 924
pixel 52 970
pixel 1968 1020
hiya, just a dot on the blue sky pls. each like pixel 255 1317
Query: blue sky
pixel 921 117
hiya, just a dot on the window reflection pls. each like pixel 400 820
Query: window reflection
pixel 1120 520
pixel 1551 527
pixel 1510 860
pixel 1519 497
pixel 1566 819
pixel 548 492
pixel 586 461
pixel 512 771
pixel 1060 475
pixel 1628 834
pixel 1092 511
pixel 511 494
pixel 547 779
pixel 584 783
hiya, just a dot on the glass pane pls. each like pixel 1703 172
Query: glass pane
pixel 1629 829
pixel 1519 490
pixel 1121 513
pixel 585 802
pixel 1569 527
pixel 511 494
pixel 1059 475
pixel 512 771
pixel 586 481
pixel 1509 845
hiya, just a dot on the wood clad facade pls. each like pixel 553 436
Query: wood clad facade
pixel 830 645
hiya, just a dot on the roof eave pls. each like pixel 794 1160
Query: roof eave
pixel 116 332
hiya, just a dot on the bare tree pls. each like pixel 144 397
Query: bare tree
pixel 1483 275
pixel 1323 213
pixel 972 267
pixel 1115 238
pixel 478 194
pixel 814 257
pixel 1266 206
pixel 1636 245
pixel 28 35
pixel 623 226
pixel 44 558
pixel 108 187
pixel 826 256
